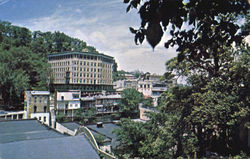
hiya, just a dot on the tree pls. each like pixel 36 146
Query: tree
pixel 90 113
pixel 200 29
pixel 210 112
pixel 129 134
pixel 203 115
pixel 137 73
pixel 78 114
pixel 148 102
pixel 20 70
pixel 119 75
pixel 130 101
pixel 100 139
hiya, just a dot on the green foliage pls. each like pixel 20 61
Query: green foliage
pixel 119 75
pixel 137 73
pixel 209 25
pixel 130 101
pixel 99 139
pixel 21 70
pixel 205 115
pixel 60 117
pixel 148 102
pixel 240 156
pixel 78 114
pixel 90 113
pixel 130 134
pixel 211 112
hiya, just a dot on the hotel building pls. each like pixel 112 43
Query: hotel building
pixel 84 71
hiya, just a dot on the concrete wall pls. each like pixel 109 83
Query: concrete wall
pixel 62 129
pixel 43 117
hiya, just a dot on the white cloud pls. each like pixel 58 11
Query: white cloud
pixel 3 1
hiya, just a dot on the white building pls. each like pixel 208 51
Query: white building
pixel 67 102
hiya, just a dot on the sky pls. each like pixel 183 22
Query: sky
pixel 103 24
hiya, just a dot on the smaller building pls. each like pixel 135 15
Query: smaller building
pixel 145 87
pixel 36 105
pixel 67 102
pixel 157 90
pixel 120 85
pixel 105 103
pixel 129 76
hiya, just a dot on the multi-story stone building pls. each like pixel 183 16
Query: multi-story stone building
pixel 36 105
pixel 85 71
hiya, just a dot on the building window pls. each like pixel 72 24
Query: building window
pixel 45 109
pixel 62 97
pixel 35 109
pixel 44 119
pixel 75 96
pixel 40 118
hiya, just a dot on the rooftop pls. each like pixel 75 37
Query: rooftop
pixel 79 53
pixel 106 130
pixel 71 125
pixel 72 147
pixel 40 92
pixel 19 130
pixel 30 139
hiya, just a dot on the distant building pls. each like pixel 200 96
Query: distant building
pixel 124 84
pixel 36 105
pixel 145 87
pixel 157 90
pixel 129 76
pixel 67 102
pixel 105 103
pixel 85 71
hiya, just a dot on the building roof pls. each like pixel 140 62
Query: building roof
pixel 106 130
pixel 40 92
pixel 71 125
pixel 114 96
pixel 88 98
pixel 71 147
pixel 24 139
pixel 68 96
pixel 19 130
pixel 81 53
pixel 159 89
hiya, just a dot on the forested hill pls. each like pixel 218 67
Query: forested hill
pixel 23 59
pixel 40 42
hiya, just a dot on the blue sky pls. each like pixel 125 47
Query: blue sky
pixel 101 23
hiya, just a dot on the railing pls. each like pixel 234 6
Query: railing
pixel 92 140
